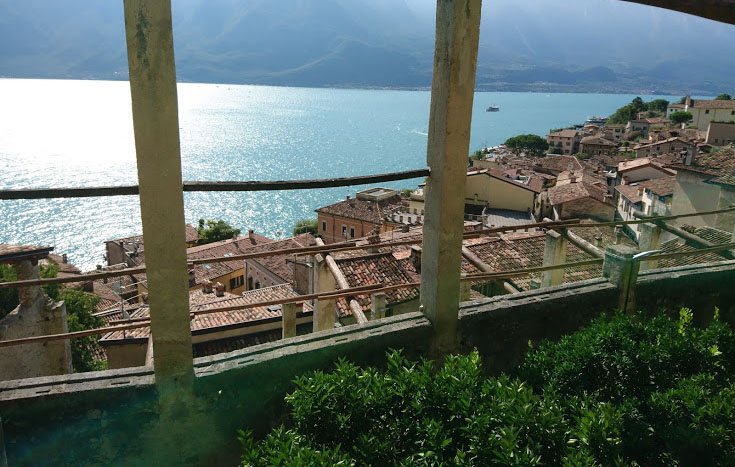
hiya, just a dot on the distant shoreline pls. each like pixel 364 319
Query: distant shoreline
pixel 541 88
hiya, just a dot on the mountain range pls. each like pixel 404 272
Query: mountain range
pixel 533 45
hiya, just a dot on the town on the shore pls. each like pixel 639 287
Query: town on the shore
pixel 648 159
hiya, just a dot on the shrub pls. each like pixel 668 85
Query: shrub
pixel 623 391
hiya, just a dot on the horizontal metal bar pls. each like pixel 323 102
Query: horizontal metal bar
pixel 700 251
pixel 192 186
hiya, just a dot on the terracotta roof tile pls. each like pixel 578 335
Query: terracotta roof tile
pixel 632 192
pixel 574 191
pixel 720 166
pixel 376 269
pixel 226 318
pixel 363 209
pixel 663 186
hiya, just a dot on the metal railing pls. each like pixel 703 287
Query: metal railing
pixel 135 323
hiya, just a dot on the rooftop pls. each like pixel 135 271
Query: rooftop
pixel 634 193
pixel 574 191
pixel 663 186
pixel 12 253
pixel 719 166
pixel 368 210
pixel 216 321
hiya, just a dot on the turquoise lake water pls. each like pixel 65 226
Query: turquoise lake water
pixel 56 133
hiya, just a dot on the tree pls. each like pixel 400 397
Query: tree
pixel 215 231
pixel 305 226
pixel 657 105
pixel 629 112
pixel 79 317
pixel 533 145
pixel 683 100
pixel 723 97
pixel 556 151
pixel 406 192
pixel 681 117
pixel 582 156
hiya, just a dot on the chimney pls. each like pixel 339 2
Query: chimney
pixel 99 269
pixel 207 286
pixel 404 228
pixel 192 278
pixel 251 233
pixel 372 240
pixel 687 103
pixel 640 191
pixel 348 197
pixel 598 241
pixel 689 158
pixel 220 289
pixel 64 259
pixel 416 257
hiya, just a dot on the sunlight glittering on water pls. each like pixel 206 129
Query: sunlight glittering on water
pixel 79 133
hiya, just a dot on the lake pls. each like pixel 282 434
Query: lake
pixel 62 133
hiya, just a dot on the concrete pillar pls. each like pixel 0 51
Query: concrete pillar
pixel 464 289
pixel 27 270
pixel 555 252
pixel 452 92
pixel 324 310
pixel 36 315
pixel 155 121
pixel 620 269
pixel 289 311
pixel 650 239
pixel 378 305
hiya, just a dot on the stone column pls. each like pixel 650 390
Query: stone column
pixel 155 121
pixel 555 252
pixel 464 289
pixel 324 310
pixel 289 311
pixel 452 92
pixel 650 239
pixel 378 305
pixel 620 269
pixel 36 315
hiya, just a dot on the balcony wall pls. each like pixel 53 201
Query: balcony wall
pixel 118 417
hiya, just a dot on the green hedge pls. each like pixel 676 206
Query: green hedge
pixel 623 391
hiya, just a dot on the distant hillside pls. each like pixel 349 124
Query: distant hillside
pixel 579 45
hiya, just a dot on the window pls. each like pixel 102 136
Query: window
pixel 344 230
pixel 415 211
pixel 257 284
pixel 706 111
pixel 352 232
pixel 324 226
pixel 250 283
pixel 732 112
pixel 236 282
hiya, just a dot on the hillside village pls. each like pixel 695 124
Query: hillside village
pixel 593 172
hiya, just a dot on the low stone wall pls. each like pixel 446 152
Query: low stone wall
pixel 119 417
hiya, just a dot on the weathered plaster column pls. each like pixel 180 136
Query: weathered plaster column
pixel 324 310
pixel 155 120
pixel 36 315
pixel 378 305
pixel 452 92
pixel 650 239
pixel 622 270
pixel 289 311
pixel 464 289
pixel 555 252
